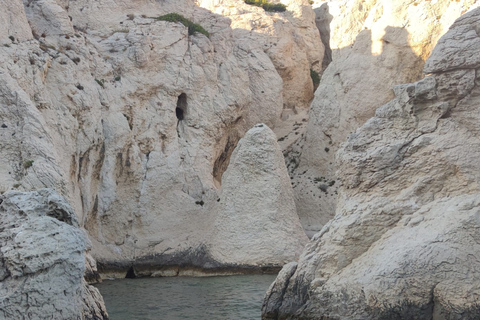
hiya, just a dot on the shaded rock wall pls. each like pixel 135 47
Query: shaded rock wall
pixel 290 40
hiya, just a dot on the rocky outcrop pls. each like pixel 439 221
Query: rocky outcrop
pixel 48 18
pixel 374 46
pixel 42 255
pixel 256 222
pixel 133 120
pixel 404 241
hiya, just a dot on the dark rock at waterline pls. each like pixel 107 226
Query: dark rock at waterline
pixel 190 262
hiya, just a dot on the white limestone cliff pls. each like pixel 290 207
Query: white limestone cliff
pixel 133 120
pixel 374 46
pixel 404 241
pixel 290 40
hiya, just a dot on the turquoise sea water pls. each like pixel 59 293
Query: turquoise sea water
pixel 205 298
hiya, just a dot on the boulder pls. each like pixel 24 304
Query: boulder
pixel 42 256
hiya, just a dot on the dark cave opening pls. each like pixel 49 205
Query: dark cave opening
pixel 179 113
pixel 181 109
pixel 130 273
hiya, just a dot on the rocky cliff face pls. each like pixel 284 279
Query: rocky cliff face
pixel 290 40
pixel 373 45
pixel 134 120
pixel 404 241
pixel 42 259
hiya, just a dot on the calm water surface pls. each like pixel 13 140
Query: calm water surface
pixel 209 298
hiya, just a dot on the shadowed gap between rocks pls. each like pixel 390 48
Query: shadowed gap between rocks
pixel 322 20
pixel 130 273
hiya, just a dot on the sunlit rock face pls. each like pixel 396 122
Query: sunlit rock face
pixel 404 241
pixel 290 39
pixel 133 120
pixel 42 259
pixel 374 46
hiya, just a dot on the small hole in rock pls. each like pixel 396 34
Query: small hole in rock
pixel 181 109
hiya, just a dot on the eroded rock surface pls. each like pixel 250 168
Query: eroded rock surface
pixel 14 26
pixel 133 120
pixel 290 39
pixel 404 241
pixel 374 46
pixel 256 221
pixel 42 255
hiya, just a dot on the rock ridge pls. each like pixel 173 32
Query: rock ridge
pixel 375 46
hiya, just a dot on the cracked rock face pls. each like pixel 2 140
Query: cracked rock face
pixel 42 256
pixel 256 220
pixel 374 45
pixel 404 241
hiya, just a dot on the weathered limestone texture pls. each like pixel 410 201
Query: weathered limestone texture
pixel 404 241
pixel 46 17
pixel 290 39
pixel 13 22
pixel 42 259
pixel 256 220
pixel 133 120
pixel 374 46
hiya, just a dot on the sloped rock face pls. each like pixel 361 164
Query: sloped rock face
pixel 134 120
pixel 42 259
pixel 290 39
pixel 374 46
pixel 404 241
pixel 14 22
pixel 256 222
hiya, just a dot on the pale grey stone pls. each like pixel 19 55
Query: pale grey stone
pixel 42 254
pixel 404 241
pixel 256 220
